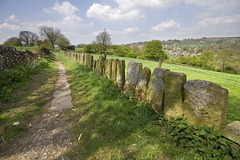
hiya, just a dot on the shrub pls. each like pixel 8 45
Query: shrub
pixel 203 142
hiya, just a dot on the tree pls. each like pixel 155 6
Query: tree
pixel 153 50
pixel 103 40
pixel 29 38
pixel 227 57
pixel 13 41
pixel 87 48
pixel 63 43
pixel 207 59
pixel 52 35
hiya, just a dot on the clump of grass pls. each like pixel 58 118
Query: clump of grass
pixel 13 78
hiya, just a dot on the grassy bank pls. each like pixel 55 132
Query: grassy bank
pixel 28 99
pixel 228 81
pixel 20 48
pixel 109 125
pixel 112 126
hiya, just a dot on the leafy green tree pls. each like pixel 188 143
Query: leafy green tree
pixel 88 48
pixel 207 59
pixel 153 50
pixel 228 58
pixel 13 41
pixel 103 40
pixel 63 43
pixel 52 35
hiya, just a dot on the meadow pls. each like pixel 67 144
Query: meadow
pixel 225 80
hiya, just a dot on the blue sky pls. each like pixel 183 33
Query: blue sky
pixel 126 20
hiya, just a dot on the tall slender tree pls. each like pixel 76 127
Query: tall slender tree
pixel 103 39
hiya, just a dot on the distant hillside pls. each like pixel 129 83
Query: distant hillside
pixel 214 43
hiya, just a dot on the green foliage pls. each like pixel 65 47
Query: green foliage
pixel 228 60
pixel 63 43
pixel 203 142
pixel 12 78
pixel 13 41
pixel 88 48
pixel 153 50
pixel 207 59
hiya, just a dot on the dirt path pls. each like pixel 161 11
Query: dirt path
pixel 49 137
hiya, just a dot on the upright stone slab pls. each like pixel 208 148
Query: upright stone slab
pixel 132 77
pixel 100 66
pixel 82 57
pixel 156 88
pixel 142 85
pixel 108 68
pixel 114 70
pixel 205 103
pixel 174 91
pixel 232 132
pixel 88 61
pixel 120 78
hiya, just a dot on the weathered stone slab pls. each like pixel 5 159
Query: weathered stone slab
pixel 142 85
pixel 114 69
pixel 108 68
pixel 205 103
pixel 100 67
pixel 82 57
pixel 174 91
pixel 156 89
pixel 132 77
pixel 88 60
pixel 120 78
pixel 232 132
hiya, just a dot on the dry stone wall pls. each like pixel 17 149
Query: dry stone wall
pixel 202 102
pixel 9 56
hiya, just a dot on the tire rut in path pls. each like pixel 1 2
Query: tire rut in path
pixel 49 138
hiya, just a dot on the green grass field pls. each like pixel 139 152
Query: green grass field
pixel 20 48
pixel 114 126
pixel 228 81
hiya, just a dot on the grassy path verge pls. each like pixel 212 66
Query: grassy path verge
pixel 108 125
pixel 228 81
pixel 28 101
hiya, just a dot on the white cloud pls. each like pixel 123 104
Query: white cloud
pixel 6 26
pixel 221 20
pixel 65 8
pixel 166 26
pixel 137 4
pixel 128 9
pixel 107 12
pixel 130 30
pixel 216 5
pixel 72 19
pixel 12 18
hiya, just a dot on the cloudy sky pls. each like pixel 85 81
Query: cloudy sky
pixel 126 20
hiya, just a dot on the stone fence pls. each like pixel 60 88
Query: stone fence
pixel 9 56
pixel 202 102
